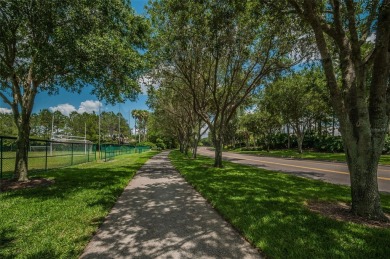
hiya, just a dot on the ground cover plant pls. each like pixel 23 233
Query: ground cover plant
pixel 290 153
pixel 57 221
pixel 270 210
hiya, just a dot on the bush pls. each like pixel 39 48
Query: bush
pixel 310 141
pixel 147 144
pixel 252 149
pixel 160 144
pixel 386 147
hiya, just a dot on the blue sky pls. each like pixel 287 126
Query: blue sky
pixel 67 102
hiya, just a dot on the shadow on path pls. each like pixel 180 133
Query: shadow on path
pixel 159 215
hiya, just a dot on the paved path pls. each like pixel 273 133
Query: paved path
pixel 159 215
pixel 333 172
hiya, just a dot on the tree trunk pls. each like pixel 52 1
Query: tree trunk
pixel 333 124
pixel 362 110
pixel 288 137
pixel 196 142
pixel 195 152
pixel 218 144
pixel 319 128
pixel 364 185
pixel 186 149
pixel 300 141
pixel 22 145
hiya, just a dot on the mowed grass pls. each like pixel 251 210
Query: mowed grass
pixel 290 153
pixel 268 208
pixel 37 160
pixel 57 221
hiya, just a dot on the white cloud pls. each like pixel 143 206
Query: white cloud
pixel 371 38
pixel 144 82
pixel 148 81
pixel 65 108
pixel 88 106
pixel 5 110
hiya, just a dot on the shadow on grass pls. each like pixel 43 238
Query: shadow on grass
pixel 58 220
pixel 268 208
pixel 70 180
pixel 7 236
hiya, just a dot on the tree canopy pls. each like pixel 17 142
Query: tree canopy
pixel 47 45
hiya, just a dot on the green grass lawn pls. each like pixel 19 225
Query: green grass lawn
pixel 37 160
pixel 290 153
pixel 268 209
pixel 57 221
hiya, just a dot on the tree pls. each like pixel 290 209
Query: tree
pixel 221 51
pixel 297 99
pixel 353 39
pixel 43 126
pixel 262 122
pixel 45 45
pixel 174 113
pixel 7 125
pixel 141 119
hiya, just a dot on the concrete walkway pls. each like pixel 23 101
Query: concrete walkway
pixel 159 215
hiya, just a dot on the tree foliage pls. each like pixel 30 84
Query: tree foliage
pixel 298 99
pixel 353 39
pixel 221 51
pixel 45 45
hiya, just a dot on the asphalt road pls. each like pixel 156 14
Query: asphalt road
pixel 333 172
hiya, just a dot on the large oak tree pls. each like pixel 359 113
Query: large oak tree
pixel 353 39
pixel 45 45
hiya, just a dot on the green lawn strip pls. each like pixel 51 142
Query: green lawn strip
pixel 37 160
pixel 268 208
pixel 289 153
pixel 57 221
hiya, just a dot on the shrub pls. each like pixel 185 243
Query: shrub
pixel 147 144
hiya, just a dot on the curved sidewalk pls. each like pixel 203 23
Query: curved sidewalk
pixel 159 215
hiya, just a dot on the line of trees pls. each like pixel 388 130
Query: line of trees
pixel 211 57
pixel 214 55
pixel 296 103
pixel 45 122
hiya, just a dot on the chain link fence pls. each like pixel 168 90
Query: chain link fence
pixel 109 151
pixel 45 154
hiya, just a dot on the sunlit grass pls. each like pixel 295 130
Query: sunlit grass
pixel 57 221
pixel 291 153
pixel 268 209
pixel 39 161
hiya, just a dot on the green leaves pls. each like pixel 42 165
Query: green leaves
pixel 73 43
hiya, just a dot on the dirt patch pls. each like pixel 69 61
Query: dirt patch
pixel 342 212
pixel 9 185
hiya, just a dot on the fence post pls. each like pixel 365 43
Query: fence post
pixel 71 159
pixel 105 154
pixel 88 153
pixel 46 144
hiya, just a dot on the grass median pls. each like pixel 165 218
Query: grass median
pixel 269 209
pixel 57 221
pixel 290 153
